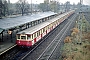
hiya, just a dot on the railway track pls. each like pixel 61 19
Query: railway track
pixel 57 51
pixel 9 54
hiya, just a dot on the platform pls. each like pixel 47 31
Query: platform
pixel 5 46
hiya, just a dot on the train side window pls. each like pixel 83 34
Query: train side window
pixel 37 34
pixel 34 35
pixel 45 28
pixel 48 27
pixel 41 31
pixel 55 23
pixel 29 37
pixel 51 25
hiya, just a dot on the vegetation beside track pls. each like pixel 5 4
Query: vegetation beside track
pixel 77 45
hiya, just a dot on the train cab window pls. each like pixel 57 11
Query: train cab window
pixel 18 36
pixel 23 37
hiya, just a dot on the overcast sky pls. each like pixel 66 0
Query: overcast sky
pixel 86 2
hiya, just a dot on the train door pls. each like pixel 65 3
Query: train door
pixel 32 39
pixel 47 29
pixel 38 35
pixel 50 27
pixel 41 32
pixel 29 40
pixel 35 36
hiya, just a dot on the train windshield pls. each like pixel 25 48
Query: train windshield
pixel 23 37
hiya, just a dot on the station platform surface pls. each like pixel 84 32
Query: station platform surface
pixel 5 46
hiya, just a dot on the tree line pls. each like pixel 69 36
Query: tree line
pixel 3 8
pixel 23 7
pixel 7 8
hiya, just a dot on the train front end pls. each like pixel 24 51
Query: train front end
pixel 23 40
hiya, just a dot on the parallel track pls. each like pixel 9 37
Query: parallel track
pixel 53 45
pixel 57 51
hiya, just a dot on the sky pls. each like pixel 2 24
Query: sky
pixel 86 2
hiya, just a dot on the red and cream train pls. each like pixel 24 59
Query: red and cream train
pixel 33 34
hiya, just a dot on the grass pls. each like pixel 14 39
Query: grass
pixel 72 51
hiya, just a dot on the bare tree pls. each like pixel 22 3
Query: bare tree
pixel 22 6
pixel 1 8
pixel 5 10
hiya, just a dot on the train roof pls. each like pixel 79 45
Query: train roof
pixel 36 28
pixel 8 23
